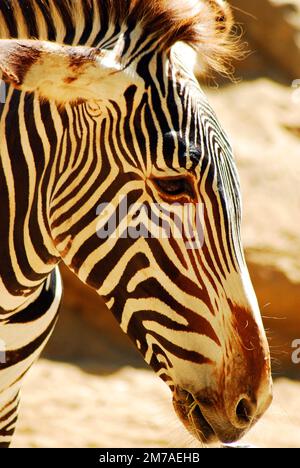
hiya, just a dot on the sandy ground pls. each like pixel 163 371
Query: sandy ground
pixel 63 406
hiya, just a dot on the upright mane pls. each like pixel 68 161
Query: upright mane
pixel 206 25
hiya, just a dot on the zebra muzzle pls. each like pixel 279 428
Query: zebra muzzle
pixel 207 421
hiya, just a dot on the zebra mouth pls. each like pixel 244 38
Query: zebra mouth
pixel 190 414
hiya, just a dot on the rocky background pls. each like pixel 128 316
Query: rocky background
pixel 100 393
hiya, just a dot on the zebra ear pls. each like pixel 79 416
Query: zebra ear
pixel 58 72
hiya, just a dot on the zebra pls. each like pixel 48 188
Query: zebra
pixel 102 105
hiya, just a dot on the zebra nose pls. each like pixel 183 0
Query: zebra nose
pixel 232 423
pixel 244 412
pixel 232 419
pixel 247 408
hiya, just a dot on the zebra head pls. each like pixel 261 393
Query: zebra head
pixel 145 205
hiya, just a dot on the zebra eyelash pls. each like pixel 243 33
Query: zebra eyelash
pixel 175 187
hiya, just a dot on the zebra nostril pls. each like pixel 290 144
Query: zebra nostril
pixel 244 411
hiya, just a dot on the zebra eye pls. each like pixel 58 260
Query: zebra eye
pixel 175 186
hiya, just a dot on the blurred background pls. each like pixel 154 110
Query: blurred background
pixel 92 387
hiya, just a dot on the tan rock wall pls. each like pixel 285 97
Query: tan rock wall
pixel 272 28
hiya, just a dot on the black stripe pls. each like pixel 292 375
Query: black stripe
pixel 41 4
pixel 16 356
pixel 29 17
pixel 39 307
pixel 9 17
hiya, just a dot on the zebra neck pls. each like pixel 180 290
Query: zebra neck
pixel 26 249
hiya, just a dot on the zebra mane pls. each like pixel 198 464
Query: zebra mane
pixel 206 25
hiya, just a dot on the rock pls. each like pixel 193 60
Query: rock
pixel 272 28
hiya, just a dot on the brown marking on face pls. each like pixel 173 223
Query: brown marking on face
pixel 253 354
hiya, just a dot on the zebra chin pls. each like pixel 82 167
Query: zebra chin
pixel 190 414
